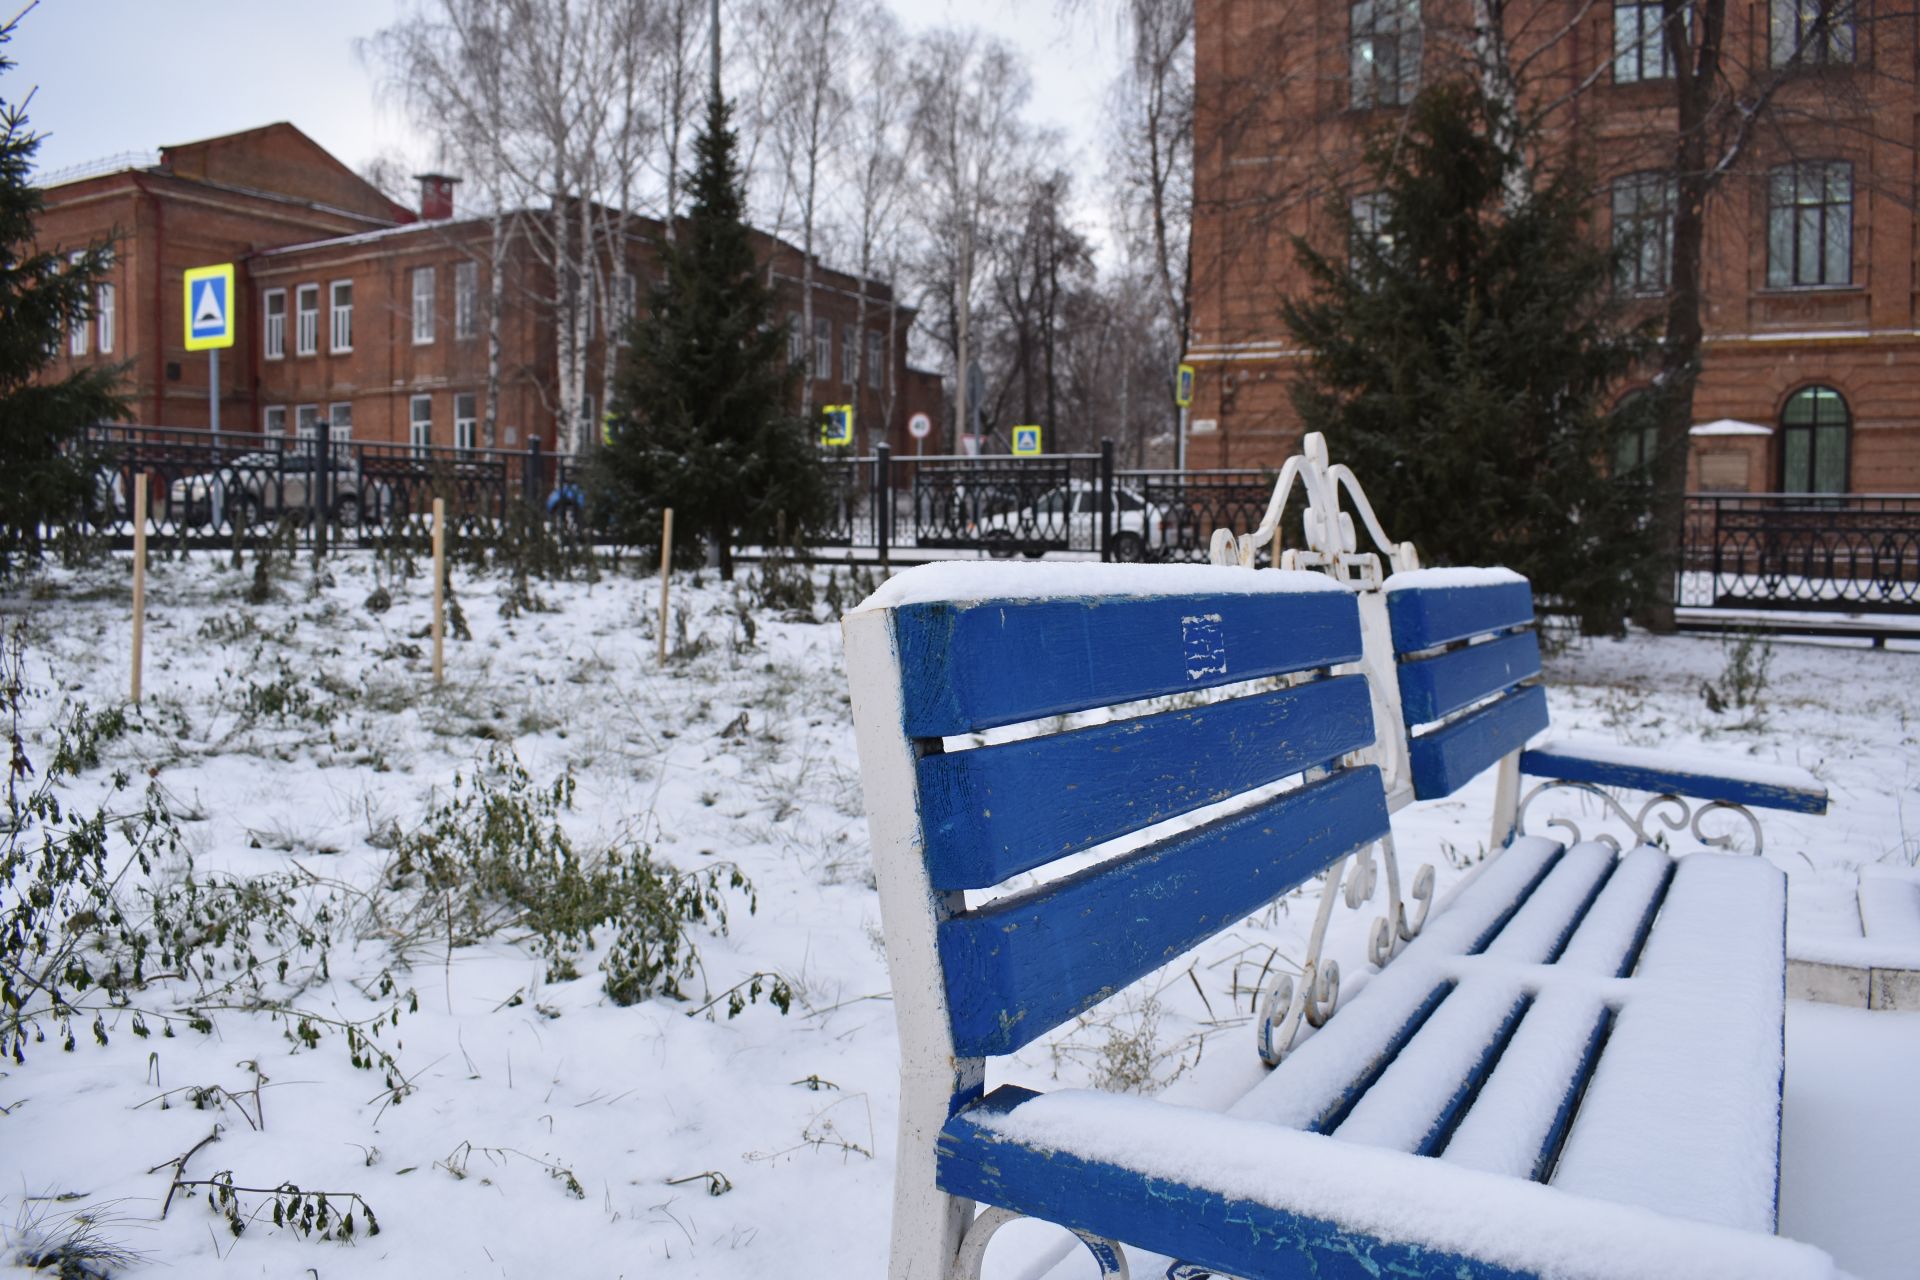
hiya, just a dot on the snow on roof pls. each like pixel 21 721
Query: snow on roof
pixel 1730 427
pixel 364 237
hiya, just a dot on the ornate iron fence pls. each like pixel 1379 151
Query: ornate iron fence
pixel 1811 552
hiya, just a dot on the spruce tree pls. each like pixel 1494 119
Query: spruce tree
pixel 43 292
pixel 1463 347
pixel 704 420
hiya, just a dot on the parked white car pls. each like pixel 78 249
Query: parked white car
pixel 1070 517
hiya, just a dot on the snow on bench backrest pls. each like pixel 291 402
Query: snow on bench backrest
pixel 948 651
pixel 1464 639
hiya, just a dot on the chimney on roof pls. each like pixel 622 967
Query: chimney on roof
pixel 436 196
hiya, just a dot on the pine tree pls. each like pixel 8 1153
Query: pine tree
pixel 43 291
pixel 703 420
pixel 1463 349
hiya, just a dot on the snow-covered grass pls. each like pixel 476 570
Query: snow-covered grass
pixel 526 1122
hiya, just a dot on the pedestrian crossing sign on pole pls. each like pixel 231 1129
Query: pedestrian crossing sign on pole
pixel 1026 441
pixel 209 303
pixel 836 425
pixel 1183 386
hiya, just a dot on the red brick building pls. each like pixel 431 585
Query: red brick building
pixel 1811 370
pixel 377 317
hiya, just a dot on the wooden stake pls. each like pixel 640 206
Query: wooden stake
pixel 439 589
pixel 139 577
pixel 666 564
pixel 1276 545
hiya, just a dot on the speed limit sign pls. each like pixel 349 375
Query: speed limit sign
pixel 919 426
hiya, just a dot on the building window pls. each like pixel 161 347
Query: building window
pixel 1637 447
pixel 422 305
pixel 306 423
pixel 1643 232
pixel 1812 32
pixel 1640 42
pixel 1369 213
pixel 466 420
pixel 342 316
pixel 849 355
pixel 876 359
pixel 420 423
pixel 466 299
pixel 273 306
pixel 306 308
pixel 796 339
pixel 1813 442
pixel 274 421
pixel 822 348
pixel 1810 224
pixel 625 300
pixel 103 317
pixel 1385 52
pixel 340 415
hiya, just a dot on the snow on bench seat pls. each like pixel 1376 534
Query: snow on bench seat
pixel 1224 1192
pixel 1478 1042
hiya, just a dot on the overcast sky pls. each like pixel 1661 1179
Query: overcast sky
pixel 134 75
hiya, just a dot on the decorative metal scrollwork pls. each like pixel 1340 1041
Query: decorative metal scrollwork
pixel 1675 813
pixel 1286 1000
pixel 973 1246
pixel 1192 1271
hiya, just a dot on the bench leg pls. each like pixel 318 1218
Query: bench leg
pixel 1506 801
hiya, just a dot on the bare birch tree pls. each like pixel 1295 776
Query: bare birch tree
pixel 968 91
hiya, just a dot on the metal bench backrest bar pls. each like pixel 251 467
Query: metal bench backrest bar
pixel 1469 664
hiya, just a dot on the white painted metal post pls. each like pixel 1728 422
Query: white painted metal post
pixel 439 589
pixel 1506 800
pixel 666 566
pixel 139 578
pixel 928 1224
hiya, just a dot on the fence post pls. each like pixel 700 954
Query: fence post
pixel 883 499
pixel 139 580
pixel 322 487
pixel 530 475
pixel 1106 498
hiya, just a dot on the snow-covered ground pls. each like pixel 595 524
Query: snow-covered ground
pixel 528 1126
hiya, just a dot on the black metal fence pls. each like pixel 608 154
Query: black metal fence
pixel 1808 552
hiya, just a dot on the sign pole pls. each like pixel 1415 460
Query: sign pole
pixel 213 397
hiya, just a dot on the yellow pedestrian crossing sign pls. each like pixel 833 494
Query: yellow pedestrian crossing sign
pixel 1026 441
pixel 836 426
pixel 209 303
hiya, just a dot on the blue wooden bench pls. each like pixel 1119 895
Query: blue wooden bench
pixel 1505 1099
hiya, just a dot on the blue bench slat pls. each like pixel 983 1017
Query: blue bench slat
pixel 1423 617
pixel 993 812
pixel 1020 967
pixel 1194 1224
pixel 1434 688
pixel 1452 756
pixel 977 664
pixel 1700 785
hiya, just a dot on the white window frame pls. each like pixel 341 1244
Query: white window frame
pixel 425 284
pixel 340 414
pixel 273 327
pixel 306 423
pixel 823 348
pixel 626 294
pixel 82 323
pixel 273 420
pixel 796 340
pixel 849 354
pixel 876 359
pixel 306 320
pixel 466 426
pixel 340 317
pixel 420 426
pixel 466 300
pixel 103 318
